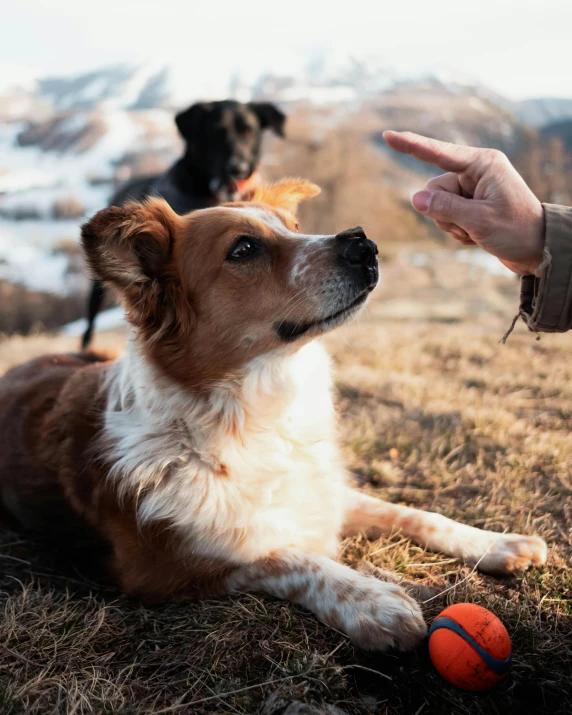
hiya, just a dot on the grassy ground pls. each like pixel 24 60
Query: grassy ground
pixel 434 414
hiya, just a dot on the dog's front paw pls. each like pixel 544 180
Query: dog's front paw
pixel 513 553
pixel 378 616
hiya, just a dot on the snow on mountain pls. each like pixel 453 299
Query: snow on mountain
pixel 35 176
pixel 110 87
pixel 106 320
pixel 24 179
pixel 30 265
pixel 326 78
pixel 32 180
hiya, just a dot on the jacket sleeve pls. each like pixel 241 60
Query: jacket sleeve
pixel 546 298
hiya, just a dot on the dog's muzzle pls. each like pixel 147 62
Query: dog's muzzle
pixel 356 252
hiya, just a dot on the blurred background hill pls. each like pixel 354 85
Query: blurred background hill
pixel 67 142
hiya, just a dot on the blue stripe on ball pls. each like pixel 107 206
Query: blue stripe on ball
pixel 500 667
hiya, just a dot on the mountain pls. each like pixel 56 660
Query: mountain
pixel 540 112
pixel 561 130
pixel 111 87
pixel 67 142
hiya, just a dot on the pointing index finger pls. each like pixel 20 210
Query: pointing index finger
pixel 449 157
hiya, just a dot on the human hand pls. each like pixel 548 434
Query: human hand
pixel 482 200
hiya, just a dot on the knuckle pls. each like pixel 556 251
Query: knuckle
pixel 441 182
pixel 496 156
pixel 441 203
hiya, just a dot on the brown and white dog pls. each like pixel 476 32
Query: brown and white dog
pixel 204 460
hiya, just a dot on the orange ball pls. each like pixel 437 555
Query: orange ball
pixel 470 647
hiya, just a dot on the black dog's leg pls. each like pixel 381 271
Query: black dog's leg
pixel 93 307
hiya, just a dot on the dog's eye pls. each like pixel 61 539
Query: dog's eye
pixel 243 248
pixel 244 130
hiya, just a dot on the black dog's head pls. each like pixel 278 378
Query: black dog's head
pixel 223 140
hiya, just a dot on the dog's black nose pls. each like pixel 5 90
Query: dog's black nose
pixel 355 248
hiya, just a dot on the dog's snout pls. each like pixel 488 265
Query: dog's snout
pixel 238 167
pixel 355 248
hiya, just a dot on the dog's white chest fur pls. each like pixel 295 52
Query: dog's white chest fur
pixel 247 471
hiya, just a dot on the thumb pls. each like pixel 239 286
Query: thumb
pixel 448 208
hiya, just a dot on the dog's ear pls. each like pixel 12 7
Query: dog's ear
pixel 130 245
pixel 188 121
pixel 285 194
pixel 269 116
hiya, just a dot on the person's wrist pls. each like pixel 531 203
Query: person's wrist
pixel 529 267
pixel 532 240
pixel 538 240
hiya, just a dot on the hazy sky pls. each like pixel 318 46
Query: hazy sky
pixel 518 47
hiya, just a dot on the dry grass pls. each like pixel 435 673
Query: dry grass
pixel 435 415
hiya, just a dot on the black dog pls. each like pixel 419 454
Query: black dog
pixel 222 152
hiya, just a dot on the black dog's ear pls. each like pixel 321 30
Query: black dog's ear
pixel 269 116
pixel 188 121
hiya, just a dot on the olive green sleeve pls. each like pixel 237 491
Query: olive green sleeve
pixel 546 298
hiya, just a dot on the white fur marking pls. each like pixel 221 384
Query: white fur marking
pixel 373 613
pixel 273 433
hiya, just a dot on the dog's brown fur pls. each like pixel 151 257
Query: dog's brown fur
pixel 204 460
pixel 50 417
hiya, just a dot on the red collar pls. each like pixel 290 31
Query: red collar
pixel 249 183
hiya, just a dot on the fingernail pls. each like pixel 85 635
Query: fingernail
pixel 421 200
